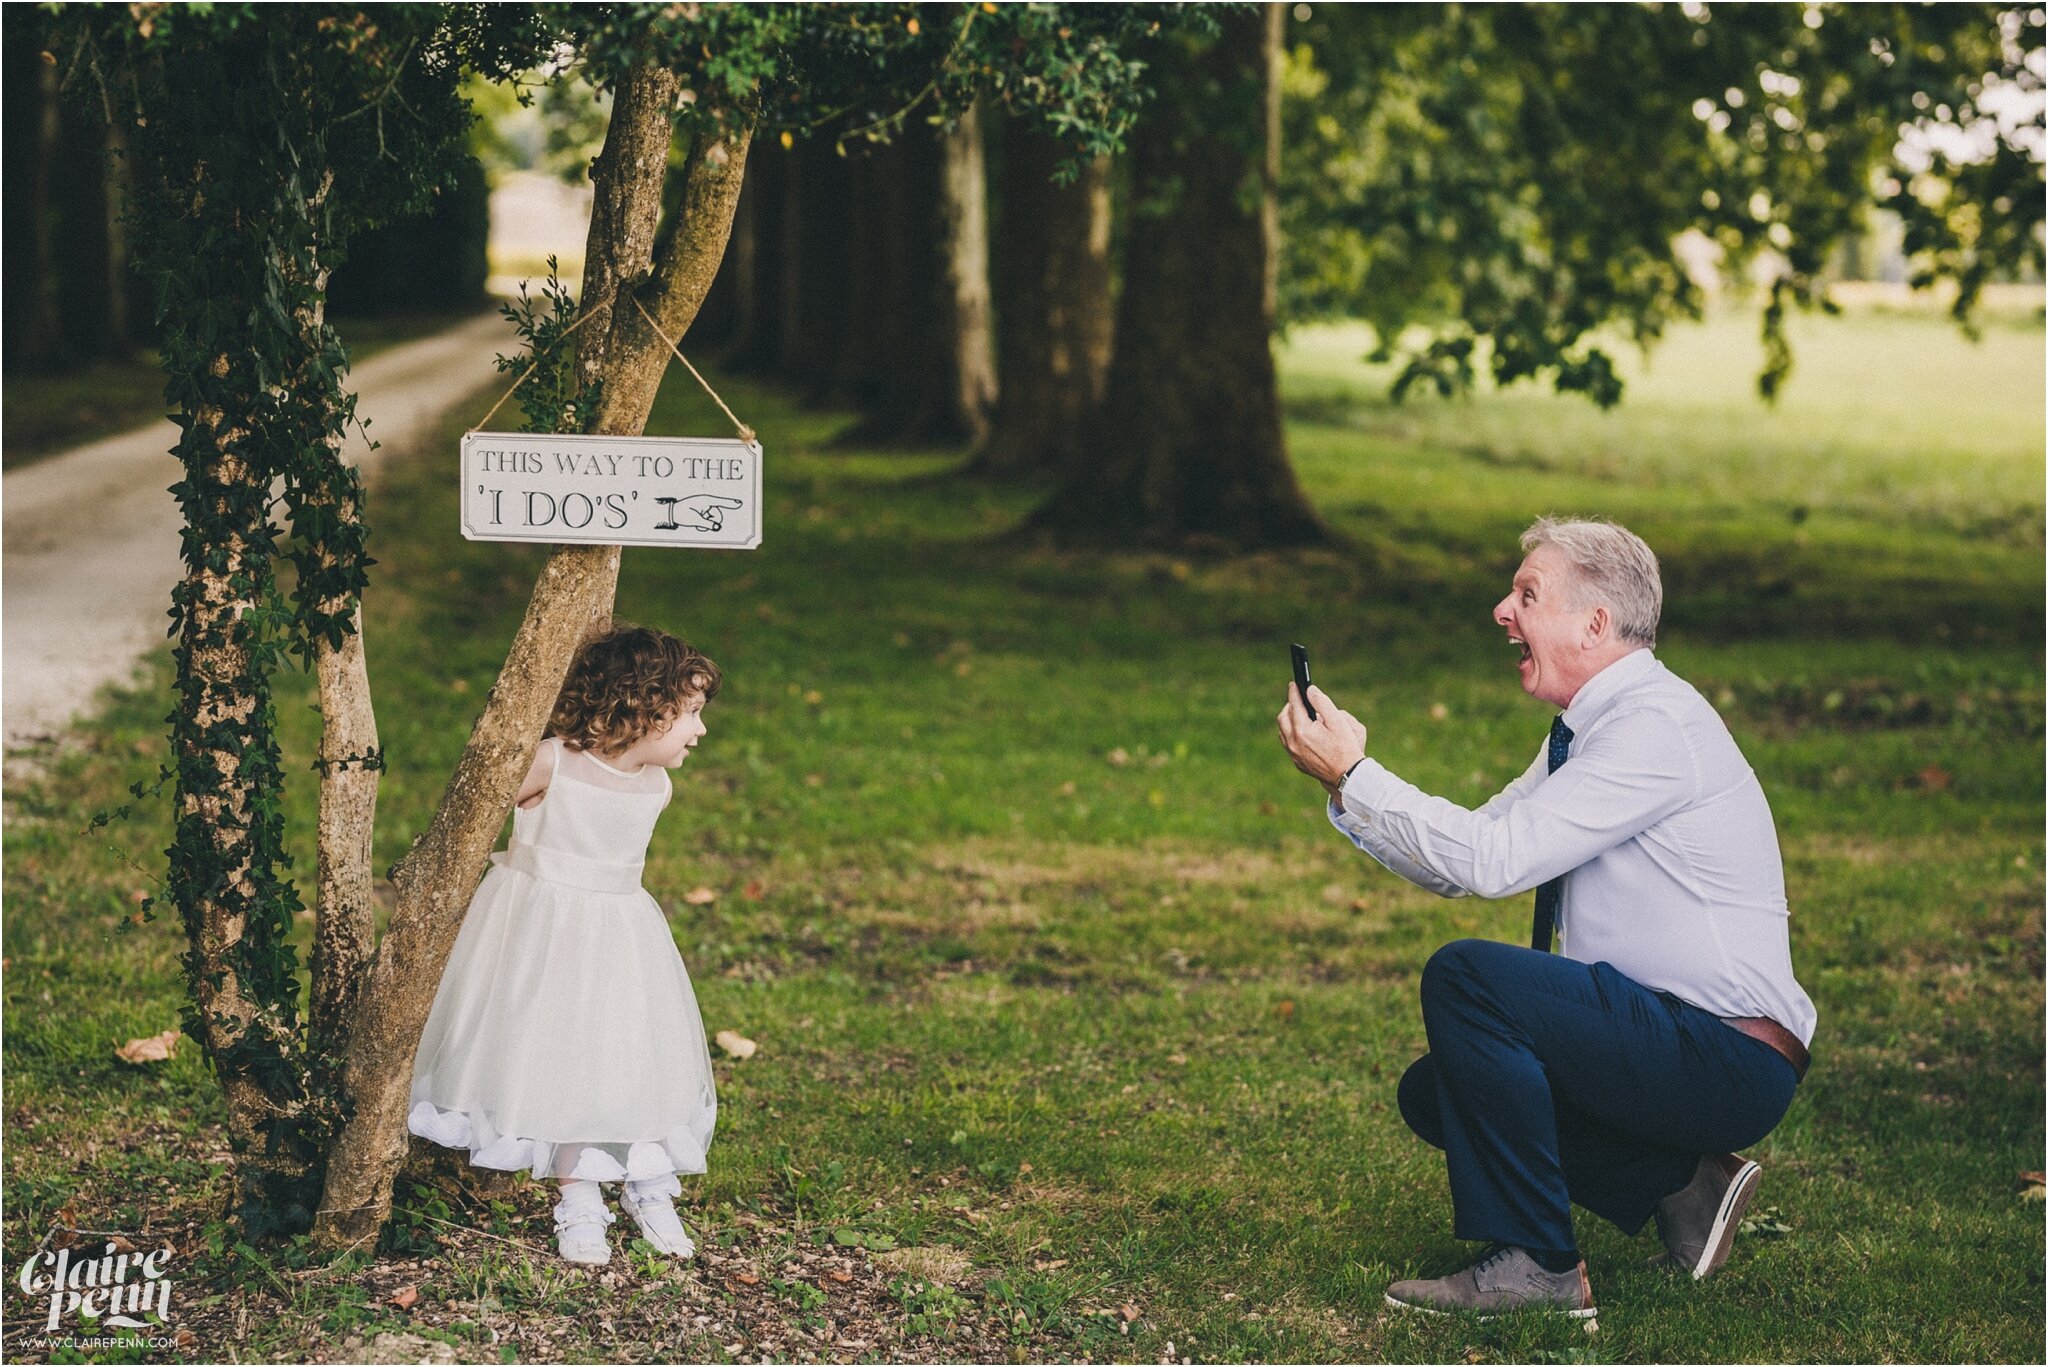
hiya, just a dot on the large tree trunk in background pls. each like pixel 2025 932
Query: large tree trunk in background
pixel 1188 448
pixel 574 594
pixel 873 262
pixel 1054 316
pixel 35 331
pixel 727 317
pixel 117 330
pixel 936 380
pixel 757 341
pixel 822 269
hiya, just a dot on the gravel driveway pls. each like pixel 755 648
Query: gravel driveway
pixel 91 536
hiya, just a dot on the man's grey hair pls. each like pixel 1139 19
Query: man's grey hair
pixel 1610 565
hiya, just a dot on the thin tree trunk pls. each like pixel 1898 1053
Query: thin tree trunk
pixel 43 330
pixel 118 332
pixel 344 924
pixel 1054 316
pixel 1188 449
pixel 964 219
pixel 574 594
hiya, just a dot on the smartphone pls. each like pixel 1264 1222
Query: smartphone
pixel 1300 654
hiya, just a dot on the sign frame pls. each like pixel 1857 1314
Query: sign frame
pixel 697 492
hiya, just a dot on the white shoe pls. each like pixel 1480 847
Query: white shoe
pixel 580 1233
pixel 659 1223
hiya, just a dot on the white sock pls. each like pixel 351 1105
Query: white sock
pixel 581 1196
pixel 656 1188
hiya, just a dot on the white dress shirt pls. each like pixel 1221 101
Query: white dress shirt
pixel 1674 875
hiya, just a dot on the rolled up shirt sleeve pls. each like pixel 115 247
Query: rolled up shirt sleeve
pixel 1635 770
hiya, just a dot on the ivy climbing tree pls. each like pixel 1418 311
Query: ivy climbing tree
pixel 261 139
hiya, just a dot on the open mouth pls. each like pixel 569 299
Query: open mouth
pixel 1521 645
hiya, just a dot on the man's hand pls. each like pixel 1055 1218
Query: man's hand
pixel 1326 748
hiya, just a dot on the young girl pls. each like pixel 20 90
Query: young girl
pixel 565 1037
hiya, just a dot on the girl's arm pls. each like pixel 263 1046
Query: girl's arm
pixel 534 786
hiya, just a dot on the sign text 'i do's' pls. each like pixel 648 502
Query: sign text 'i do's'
pixel 611 491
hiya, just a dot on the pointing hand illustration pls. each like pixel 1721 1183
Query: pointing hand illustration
pixel 707 511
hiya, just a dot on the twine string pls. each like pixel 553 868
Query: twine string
pixel 746 432
pixel 533 365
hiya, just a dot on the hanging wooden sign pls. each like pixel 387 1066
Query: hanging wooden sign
pixel 612 491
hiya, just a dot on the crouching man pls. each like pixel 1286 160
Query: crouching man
pixel 1624 1072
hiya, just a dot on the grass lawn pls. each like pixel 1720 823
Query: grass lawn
pixel 1078 1026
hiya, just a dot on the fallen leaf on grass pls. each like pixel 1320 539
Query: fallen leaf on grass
pixel 736 1044
pixel 1768 1223
pixel 840 1275
pixel 746 1277
pixel 1129 1312
pixel 1935 779
pixel 754 891
pixel 700 897
pixel 150 1049
pixel 1284 1010
pixel 405 1297
pixel 2034 1186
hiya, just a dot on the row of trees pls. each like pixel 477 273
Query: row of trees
pixel 1497 189
pixel 265 139
pixel 67 264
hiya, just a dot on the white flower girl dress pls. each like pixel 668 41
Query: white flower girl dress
pixel 565 1037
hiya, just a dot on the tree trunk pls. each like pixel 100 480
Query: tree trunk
pixel 344 924
pixel 727 317
pixel 935 377
pixel 35 330
pixel 574 594
pixel 117 333
pixel 822 272
pixel 1053 305
pixel 1188 450
pixel 963 218
pixel 864 230
pixel 236 914
pixel 757 343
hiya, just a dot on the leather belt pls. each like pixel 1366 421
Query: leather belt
pixel 1764 1030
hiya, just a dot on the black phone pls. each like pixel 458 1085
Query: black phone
pixel 1300 654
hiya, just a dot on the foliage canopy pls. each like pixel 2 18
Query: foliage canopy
pixel 1514 177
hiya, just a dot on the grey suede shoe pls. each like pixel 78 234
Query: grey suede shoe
pixel 1698 1221
pixel 1505 1281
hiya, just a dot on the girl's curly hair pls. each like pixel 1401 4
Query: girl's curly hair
pixel 623 682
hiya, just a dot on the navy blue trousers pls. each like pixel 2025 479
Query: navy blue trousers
pixel 1550 1081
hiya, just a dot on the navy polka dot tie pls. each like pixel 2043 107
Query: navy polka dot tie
pixel 1550 894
